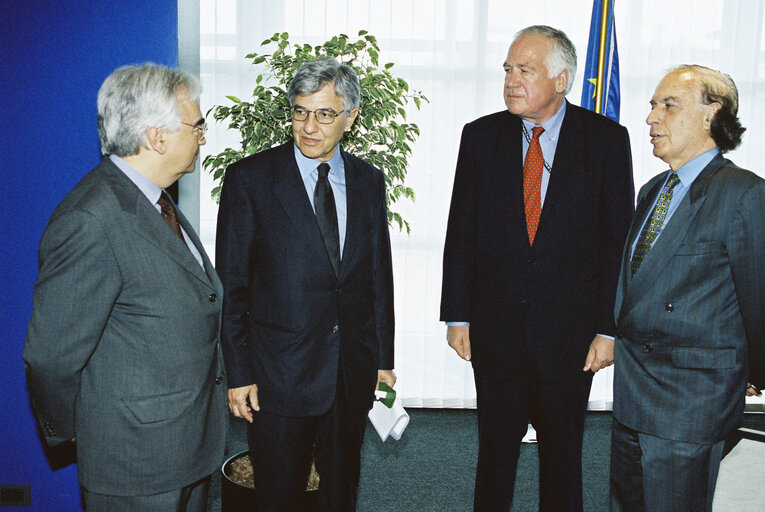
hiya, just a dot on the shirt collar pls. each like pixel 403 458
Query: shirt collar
pixel 309 165
pixel 552 125
pixel 151 190
pixel 691 169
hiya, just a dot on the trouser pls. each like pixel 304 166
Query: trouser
pixel 508 399
pixel 191 498
pixel 651 474
pixel 281 449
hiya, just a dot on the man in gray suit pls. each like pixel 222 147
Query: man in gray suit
pixel 690 305
pixel 123 348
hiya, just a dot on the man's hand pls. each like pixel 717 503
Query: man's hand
pixel 386 376
pixel 752 390
pixel 458 337
pixel 600 355
pixel 238 401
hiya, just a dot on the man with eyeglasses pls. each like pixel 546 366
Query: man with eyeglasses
pixel 123 348
pixel 303 251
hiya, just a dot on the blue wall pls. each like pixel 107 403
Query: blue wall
pixel 54 55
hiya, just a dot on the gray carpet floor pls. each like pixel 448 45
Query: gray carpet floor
pixel 432 467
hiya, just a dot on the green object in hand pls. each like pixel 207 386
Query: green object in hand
pixel 390 395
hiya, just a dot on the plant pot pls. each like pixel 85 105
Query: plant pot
pixel 238 492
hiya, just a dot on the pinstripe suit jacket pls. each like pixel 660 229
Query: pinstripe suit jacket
pixel 691 321
pixel 123 348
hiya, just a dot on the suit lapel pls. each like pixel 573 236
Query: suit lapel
pixel 354 195
pixel 625 276
pixel 290 192
pixel 209 270
pixel 672 236
pixel 508 149
pixel 150 225
pixel 564 161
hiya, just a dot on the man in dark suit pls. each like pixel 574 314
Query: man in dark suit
pixel 123 348
pixel 690 305
pixel 304 254
pixel 541 205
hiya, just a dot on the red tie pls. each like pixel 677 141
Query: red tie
pixel 532 183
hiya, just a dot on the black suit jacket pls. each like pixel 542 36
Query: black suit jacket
pixel 288 321
pixel 548 300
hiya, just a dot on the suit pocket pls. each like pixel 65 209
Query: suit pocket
pixel 703 358
pixel 696 249
pixel 155 408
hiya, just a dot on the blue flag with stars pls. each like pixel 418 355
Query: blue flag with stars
pixel 600 90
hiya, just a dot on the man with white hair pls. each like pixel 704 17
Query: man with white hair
pixel 123 350
pixel 541 205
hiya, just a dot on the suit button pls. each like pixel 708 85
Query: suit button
pixel 219 381
pixel 669 308
pixel 213 297
pixel 524 301
pixel 336 328
pixel 532 262
pixel 618 334
pixel 647 348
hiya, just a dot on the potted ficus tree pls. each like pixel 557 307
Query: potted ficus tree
pixel 380 135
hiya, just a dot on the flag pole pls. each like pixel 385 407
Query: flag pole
pixel 601 57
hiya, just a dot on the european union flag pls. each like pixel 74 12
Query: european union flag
pixel 600 90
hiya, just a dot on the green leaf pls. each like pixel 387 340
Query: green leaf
pixel 381 136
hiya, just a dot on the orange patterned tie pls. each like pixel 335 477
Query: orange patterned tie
pixel 532 183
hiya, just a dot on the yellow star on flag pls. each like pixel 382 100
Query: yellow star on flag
pixel 593 81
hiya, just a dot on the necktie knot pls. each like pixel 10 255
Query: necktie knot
pixel 323 170
pixel 536 132
pixel 673 180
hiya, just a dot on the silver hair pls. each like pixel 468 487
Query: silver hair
pixel 562 56
pixel 134 98
pixel 315 74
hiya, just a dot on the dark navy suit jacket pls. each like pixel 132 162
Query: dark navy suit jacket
pixel 547 301
pixel 288 320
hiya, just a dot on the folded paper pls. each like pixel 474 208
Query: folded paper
pixel 389 420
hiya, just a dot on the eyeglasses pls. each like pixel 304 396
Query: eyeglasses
pixel 201 129
pixel 323 115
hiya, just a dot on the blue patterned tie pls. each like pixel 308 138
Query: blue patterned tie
pixel 654 222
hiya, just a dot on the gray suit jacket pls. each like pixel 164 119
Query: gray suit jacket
pixel 123 347
pixel 691 321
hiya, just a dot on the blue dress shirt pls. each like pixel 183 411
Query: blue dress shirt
pixel 687 174
pixel 310 174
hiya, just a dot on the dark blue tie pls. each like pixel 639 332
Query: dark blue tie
pixel 326 216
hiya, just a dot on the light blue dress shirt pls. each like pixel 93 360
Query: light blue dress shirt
pixel 687 174
pixel 152 191
pixel 310 174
